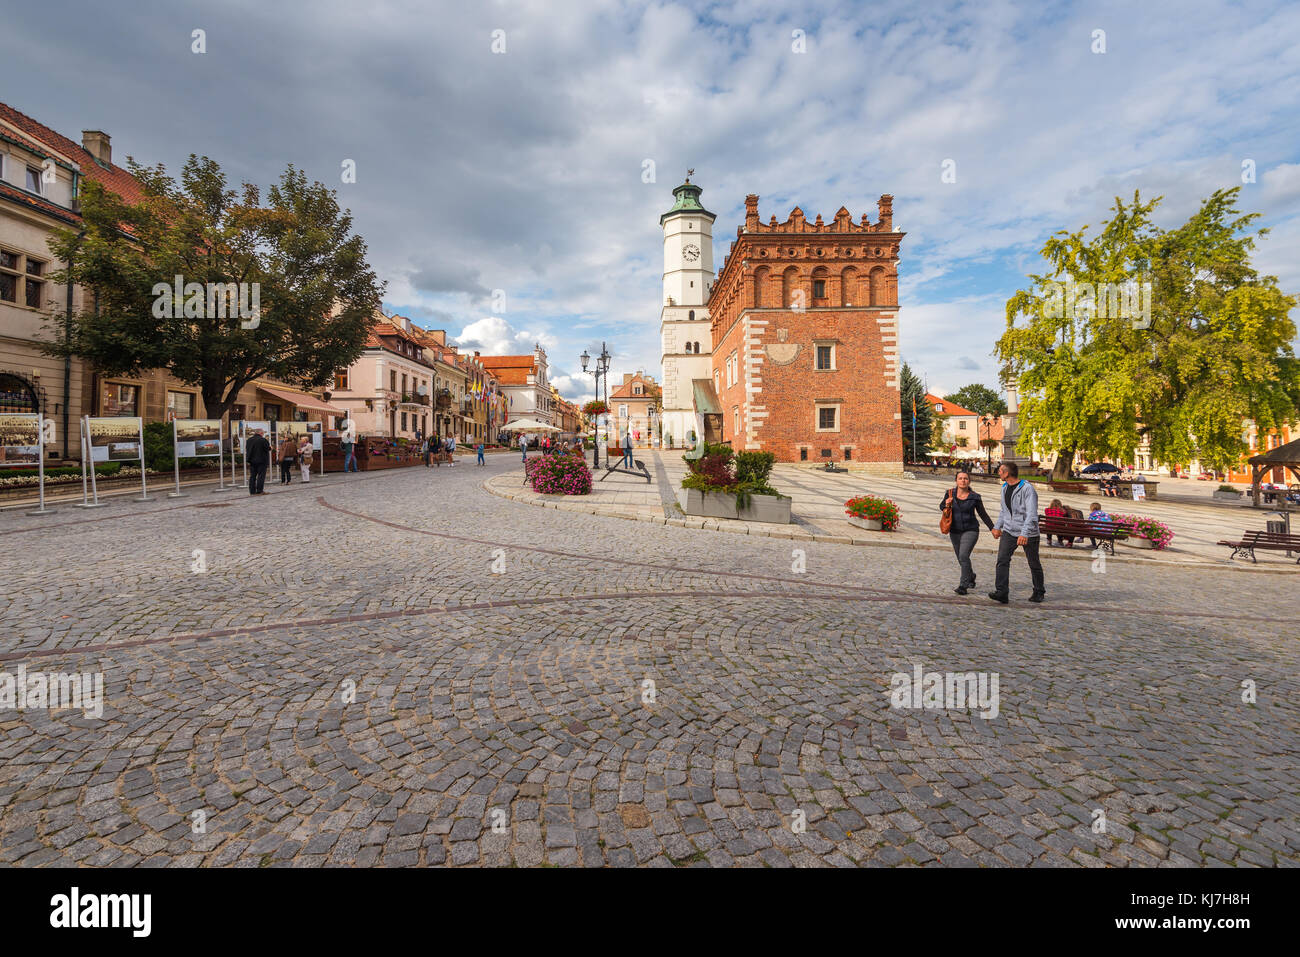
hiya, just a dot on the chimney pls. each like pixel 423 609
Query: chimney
pixel 751 212
pixel 627 377
pixel 96 143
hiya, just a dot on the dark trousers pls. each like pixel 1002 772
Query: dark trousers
pixel 350 459
pixel 286 471
pixel 1006 548
pixel 962 544
pixel 256 477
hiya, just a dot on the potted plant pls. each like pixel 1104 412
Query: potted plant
pixel 723 484
pixel 1226 493
pixel 1144 532
pixel 872 513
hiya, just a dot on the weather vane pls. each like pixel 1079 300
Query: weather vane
pixel 689 174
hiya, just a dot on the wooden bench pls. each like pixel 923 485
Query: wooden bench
pixel 1076 488
pixel 1105 532
pixel 1269 541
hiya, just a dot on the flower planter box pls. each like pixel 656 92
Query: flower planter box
pixel 1227 496
pixel 1137 541
pixel 761 508
pixel 870 524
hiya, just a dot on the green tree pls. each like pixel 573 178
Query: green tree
pixel 317 296
pixel 912 390
pixel 979 398
pixel 1184 362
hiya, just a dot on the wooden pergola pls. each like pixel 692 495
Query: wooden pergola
pixel 1284 456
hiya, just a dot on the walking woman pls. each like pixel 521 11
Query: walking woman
pixel 967 512
pixel 288 455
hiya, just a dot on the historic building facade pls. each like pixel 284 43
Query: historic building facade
pixel 525 383
pixel 684 328
pixel 804 327
pixel 634 407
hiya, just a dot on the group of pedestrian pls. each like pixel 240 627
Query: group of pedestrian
pixel 1016 527
pixel 257 453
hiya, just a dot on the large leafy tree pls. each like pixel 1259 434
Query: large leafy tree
pixel 318 295
pixel 979 398
pixel 912 391
pixel 1213 348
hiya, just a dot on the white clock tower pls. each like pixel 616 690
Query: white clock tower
pixel 686 343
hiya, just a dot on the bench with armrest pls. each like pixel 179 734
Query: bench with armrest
pixel 1104 532
pixel 1268 541
pixel 1077 488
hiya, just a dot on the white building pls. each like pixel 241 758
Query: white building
pixel 525 383
pixel 686 342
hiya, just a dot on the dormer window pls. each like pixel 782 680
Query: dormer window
pixel 33 180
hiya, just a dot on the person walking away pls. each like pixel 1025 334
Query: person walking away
pixel 479 449
pixel 627 450
pixel 451 450
pixel 966 505
pixel 435 451
pixel 349 443
pixel 426 450
pixel 1017 527
pixel 305 452
pixel 288 452
pixel 257 453
pixel 1055 510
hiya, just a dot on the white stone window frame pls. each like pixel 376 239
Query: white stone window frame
pixel 833 345
pixel 817 416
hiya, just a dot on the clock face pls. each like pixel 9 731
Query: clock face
pixel 690 252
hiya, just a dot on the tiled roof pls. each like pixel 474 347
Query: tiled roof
pixel 949 408
pixel 503 362
pixel 113 178
pixel 35 202
pixel 512 376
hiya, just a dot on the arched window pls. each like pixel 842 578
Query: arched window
pixel 760 280
pixel 789 287
pixel 849 287
pixel 17 394
pixel 697 348
pixel 878 286
pixel 690 316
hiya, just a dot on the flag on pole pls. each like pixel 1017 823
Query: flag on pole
pixel 913 411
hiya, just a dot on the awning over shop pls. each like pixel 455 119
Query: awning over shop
pixel 303 401
pixel 706 400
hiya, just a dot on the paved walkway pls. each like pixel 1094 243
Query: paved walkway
pixel 818 512
pixel 401 669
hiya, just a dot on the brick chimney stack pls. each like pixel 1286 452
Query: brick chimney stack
pixel 751 211
pixel 97 144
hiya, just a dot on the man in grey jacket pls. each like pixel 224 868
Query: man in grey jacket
pixel 1016 527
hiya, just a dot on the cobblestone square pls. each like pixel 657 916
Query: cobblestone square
pixel 405 669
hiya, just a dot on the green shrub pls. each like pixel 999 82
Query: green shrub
pixel 103 469
pixel 754 467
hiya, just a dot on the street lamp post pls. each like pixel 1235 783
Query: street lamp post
pixel 601 369
pixel 987 422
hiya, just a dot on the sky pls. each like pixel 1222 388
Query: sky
pixel 527 149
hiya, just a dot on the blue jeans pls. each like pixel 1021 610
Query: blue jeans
pixel 480 458
pixel 350 460
pixel 627 457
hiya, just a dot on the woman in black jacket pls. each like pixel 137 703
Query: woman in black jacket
pixel 965 532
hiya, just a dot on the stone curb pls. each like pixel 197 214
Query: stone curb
pixel 615 511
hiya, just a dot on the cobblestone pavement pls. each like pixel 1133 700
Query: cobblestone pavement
pixel 817 513
pixel 620 693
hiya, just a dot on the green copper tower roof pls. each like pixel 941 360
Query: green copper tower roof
pixel 687 201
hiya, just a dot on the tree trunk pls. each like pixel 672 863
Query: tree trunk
pixel 1061 469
